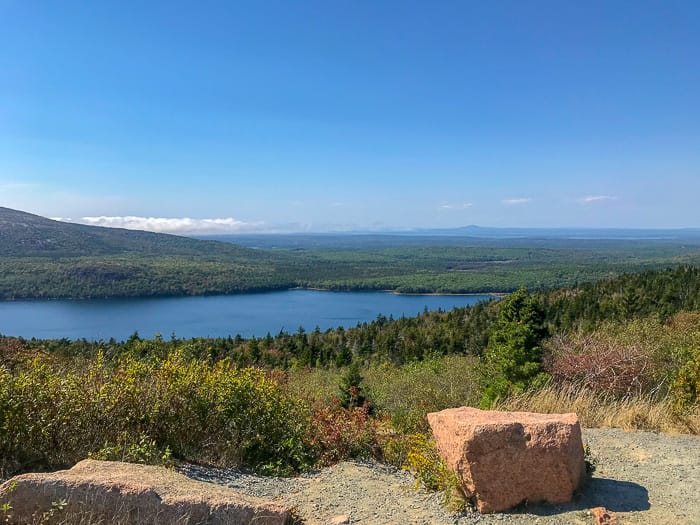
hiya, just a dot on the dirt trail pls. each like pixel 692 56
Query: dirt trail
pixel 645 478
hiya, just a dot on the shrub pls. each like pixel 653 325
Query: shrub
pixel 337 433
pixel 351 390
pixel 406 394
pixel 642 357
pixel 601 365
pixel 685 388
pixel 54 416
pixel 140 450
pixel 418 454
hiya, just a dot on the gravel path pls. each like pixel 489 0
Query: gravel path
pixel 645 478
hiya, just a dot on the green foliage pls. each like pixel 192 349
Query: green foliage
pixel 351 391
pixel 401 394
pixel 660 293
pixel 407 393
pixel 686 385
pixel 6 508
pixel 56 414
pixel 513 359
pixel 418 454
pixel 141 450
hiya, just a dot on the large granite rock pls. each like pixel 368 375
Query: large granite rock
pixel 125 493
pixel 505 458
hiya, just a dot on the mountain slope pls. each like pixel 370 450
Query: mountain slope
pixel 26 235
pixel 41 259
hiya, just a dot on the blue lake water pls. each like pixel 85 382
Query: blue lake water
pixel 213 316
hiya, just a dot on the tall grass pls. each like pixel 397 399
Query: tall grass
pixel 603 410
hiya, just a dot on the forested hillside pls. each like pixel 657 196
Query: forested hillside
pixel 26 235
pixel 44 259
pixel 653 293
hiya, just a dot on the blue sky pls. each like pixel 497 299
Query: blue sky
pixel 331 115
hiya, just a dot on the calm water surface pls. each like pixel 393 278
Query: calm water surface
pixel 214 316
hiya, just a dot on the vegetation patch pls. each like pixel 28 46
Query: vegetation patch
pixel 283 404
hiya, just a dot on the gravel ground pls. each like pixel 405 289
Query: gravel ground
pixel 645 478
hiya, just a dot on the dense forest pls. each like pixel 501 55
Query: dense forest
pixel 659 293
pixel 45 259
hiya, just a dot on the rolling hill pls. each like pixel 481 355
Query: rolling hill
pixel 42 258
pixel 26 235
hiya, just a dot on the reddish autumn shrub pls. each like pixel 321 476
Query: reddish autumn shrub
pixel 13 353
pixel 600 364
pixel 337 433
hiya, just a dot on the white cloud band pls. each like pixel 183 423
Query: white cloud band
pixel 514 202
pixel 181 225
pixel 596 198
pixel 458 206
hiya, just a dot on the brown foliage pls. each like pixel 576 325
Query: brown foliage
pixel 600 364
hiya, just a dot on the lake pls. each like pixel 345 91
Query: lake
pixel 213 316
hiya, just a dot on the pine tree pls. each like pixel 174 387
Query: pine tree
pixel 513 358
pixel 351 391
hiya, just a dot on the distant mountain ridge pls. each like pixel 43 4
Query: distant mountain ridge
pixel 24 234
pixel 560 233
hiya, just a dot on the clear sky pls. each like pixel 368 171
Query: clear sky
pixel 328 114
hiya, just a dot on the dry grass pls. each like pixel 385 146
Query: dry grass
pixel 597 410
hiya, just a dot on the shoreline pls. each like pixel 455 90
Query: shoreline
pixel 450 294
pixel 265 291
pixel 396 292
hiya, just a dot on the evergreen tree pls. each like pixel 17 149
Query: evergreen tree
pixel 351 391
pixel 513 358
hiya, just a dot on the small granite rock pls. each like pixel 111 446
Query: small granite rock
pixel 604 517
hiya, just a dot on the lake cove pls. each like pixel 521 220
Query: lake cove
pixel 213 316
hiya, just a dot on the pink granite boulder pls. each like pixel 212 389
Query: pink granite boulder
pixel 505 458
pixel 125 494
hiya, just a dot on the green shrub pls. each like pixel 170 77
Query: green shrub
pixel 685 388
pixel 54 416
pixel 140 450
pixel 420 456
pixel 351 391
pixel 406 394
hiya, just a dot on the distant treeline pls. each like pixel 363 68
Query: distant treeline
pixel 435 269
pixel 459 331
pixel 661 293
